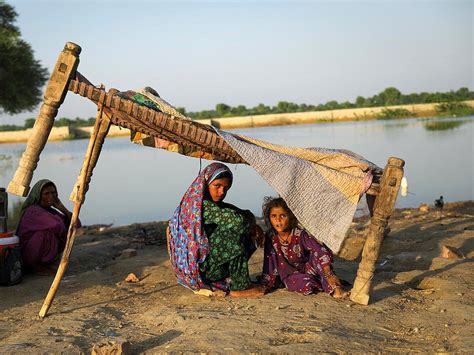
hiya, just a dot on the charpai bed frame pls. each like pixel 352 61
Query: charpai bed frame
pixel 112 109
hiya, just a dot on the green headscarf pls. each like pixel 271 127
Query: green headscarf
pixel 34 197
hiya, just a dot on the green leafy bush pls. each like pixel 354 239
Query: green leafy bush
pixel 443 125
pixel 454 109
pixel 387 114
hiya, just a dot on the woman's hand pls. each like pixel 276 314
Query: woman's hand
pixel 59 205
pixel 256 233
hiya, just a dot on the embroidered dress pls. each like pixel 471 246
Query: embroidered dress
pixel 191 239
pixel 230 246
pixel 298 264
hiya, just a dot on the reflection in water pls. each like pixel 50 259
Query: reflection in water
pixel 397 125
pixel 132 183
pixel 443 125
pixel 6 163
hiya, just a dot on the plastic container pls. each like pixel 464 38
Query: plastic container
pixel 3 210
pixel 8 239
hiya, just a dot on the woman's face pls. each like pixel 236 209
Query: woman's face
pixel 218 189
pixel 49 195
pixel 279 219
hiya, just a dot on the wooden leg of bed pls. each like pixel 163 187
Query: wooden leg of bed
pixel 96 150
pixel 383 208
pixel 53 98
pixel 95 143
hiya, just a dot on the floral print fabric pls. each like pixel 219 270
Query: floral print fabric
pixel 189 245
pixel 299 264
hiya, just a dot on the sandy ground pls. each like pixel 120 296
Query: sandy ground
pixel 420 301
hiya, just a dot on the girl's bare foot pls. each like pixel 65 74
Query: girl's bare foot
pixel 339 293
pixel 254 291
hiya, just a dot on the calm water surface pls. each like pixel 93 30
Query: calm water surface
pixel 133 184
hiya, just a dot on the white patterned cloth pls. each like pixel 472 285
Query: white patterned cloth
pixel 321 186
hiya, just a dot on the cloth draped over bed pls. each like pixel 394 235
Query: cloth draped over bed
pixel 321 186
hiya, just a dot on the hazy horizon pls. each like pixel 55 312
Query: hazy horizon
pixel 198 54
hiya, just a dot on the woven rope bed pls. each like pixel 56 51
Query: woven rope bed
pixel 170 129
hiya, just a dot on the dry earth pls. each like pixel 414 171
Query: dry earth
pixel 420 302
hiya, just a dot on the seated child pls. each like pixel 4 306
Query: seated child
pixel 293 256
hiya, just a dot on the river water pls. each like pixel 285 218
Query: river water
pixel 134 184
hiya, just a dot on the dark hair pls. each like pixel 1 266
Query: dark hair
pixel 224 174
pixel 270 202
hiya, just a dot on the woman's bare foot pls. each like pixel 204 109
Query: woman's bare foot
pixel 44 270
pixel 209 293
pixel 253 291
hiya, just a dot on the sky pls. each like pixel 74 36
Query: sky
pixel 197 54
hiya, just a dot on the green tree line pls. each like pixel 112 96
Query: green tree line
pixel 61 122
pixel 449 105
pixel 388 97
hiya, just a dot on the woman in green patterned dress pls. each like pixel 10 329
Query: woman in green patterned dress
pixel 211 241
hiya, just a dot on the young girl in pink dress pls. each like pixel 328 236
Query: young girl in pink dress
pixel 294 257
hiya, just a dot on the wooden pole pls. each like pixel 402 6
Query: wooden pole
pixel 96 150
pixel 383 208
pixel 96 140
pixel 55 93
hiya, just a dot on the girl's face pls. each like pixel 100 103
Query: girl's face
pixel 49 195
pixel 218 189
pixel 279 219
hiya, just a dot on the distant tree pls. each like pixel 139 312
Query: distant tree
pixel 261 109
pixel 390 96
pixel 303 108
pixel 346 104
pixel 181 110
pixel 283 106
pixel 240 110
pixel 29 122
pixel 222 109
pixel 360 101
pixel 10 127
pixel 21 76
pixel 331 105
pixel 63 122
pixel 463 94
